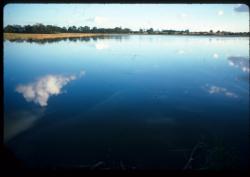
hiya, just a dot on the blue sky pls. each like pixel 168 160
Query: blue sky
pixel 195 17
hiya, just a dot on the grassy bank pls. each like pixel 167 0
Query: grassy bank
pixel 15 36
pixel 25 36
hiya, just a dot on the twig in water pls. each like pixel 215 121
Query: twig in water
pixel 191 155
pixel 122 165
pixel 97 165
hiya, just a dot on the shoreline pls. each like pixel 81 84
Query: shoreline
pixel 32 36
pixel 29 36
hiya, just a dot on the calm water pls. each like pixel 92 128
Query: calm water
pixel 128 102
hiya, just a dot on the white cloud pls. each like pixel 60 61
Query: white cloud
pixel 214 89
pixel 181 52
pixel 76 17
pixel 101 45
pixel 219 90
pixel 90 19
pixel 231 94
pixel 82 73
pixel 101 20
pixel 215 56
pixel 220 12
pixel 183 15
pixel 241 8
pixel 239 62
pixel 43 88
pixel 245 69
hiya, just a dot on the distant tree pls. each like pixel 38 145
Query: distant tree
pixel 80 29
pixel 126 30
pixel 94 30
pixel 19 28
pixel 169 31
pixel 64 29
pixel 40 28
pixel 14 29
pixel 150 31
pixel 86 29
pixel 28 29
pixel 9 29
pixel 72 29
pixel 118 30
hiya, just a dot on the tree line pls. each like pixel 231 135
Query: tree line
pixel 48 29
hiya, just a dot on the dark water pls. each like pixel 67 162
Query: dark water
pixel 128 102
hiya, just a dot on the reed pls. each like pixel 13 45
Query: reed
pixel 23 36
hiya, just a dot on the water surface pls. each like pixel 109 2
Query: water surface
pixel 128 102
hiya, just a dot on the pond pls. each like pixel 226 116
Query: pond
pixel 128 102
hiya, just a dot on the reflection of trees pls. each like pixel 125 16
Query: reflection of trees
pixel 85 39
pixel 94 38
pixel 42 41
pixel 16 40
pixel 73 39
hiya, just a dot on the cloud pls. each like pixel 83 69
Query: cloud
pixel 82 73
pixel 43 88
pixel 215 56
pixel 239 62
pixel 181 52
pixel 214 89
pixel 220 12
pixel 20 121
pixel 76 17
pixel 183 15
pixel 101 46
pixel 100 20
pixel 91 19
pixel 241 8
pixel 220 90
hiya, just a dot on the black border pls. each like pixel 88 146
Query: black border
pixel 10 167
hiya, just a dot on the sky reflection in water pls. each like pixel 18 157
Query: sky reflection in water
pixel 143 95
pixel 44 87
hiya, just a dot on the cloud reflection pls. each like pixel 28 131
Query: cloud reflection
pixel 101 46
pixel 215 56
pixel 181 52
pixel 241 8
pixel 213 89
pixel 44 87
pixel 20 121
pixel 239 62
